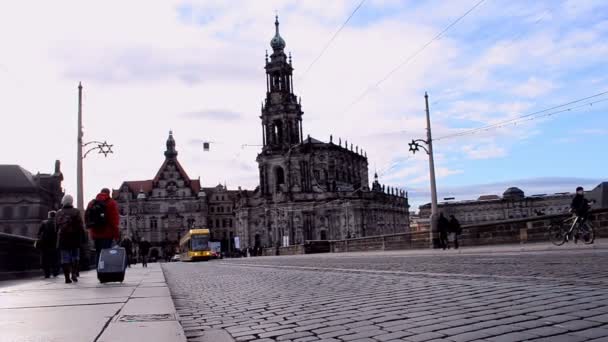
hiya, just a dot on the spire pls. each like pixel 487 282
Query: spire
pixel 171 152
pixel 277 43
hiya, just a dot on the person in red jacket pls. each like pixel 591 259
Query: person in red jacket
pixel 102 220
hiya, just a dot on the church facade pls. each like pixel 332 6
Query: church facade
pixel 162 209
pixel 309 189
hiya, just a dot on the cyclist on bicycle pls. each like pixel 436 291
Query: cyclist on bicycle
pixel 580 205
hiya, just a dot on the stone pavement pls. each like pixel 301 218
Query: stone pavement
pixel 48 310
pixel 478 294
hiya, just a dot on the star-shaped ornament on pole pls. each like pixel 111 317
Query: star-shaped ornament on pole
pixel 415 146
pixel 102 148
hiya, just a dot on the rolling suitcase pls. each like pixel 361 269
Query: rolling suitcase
pixel 112 265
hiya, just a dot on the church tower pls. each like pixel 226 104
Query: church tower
pixel 281 110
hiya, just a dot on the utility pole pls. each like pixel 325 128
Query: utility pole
pixel 79 181
pixel 102 147
pixel 415 147
pixel 429 137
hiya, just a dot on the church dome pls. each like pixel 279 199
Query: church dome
pixel 513 193
pixel 277 42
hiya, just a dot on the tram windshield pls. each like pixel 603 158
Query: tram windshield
pixel 199 243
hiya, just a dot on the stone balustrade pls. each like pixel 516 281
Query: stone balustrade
pixel 19 258
pixel 526 230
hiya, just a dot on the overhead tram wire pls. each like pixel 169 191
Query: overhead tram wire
pixel 331 40
pixel 412 56
pixel 532 116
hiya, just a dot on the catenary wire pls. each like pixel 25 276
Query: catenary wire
pixel 331 40
pixel 412 56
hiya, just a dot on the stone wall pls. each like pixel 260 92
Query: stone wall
pixel 524 230
pixel 19 258
pixel 529 230
pixel 17 255
pixel 382 242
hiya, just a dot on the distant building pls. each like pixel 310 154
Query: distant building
pixel 512 205
pixel 600 195
pixel 309 189
pixel 162 209
pixel 25 199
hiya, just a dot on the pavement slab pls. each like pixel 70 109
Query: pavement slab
pixel 49 310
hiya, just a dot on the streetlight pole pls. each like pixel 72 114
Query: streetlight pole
pixel 434 211
pixel 101 147
pixel 79 181
pixel 415 147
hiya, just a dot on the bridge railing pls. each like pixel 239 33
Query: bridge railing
pixel 19 258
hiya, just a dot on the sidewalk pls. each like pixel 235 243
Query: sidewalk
pixel 140 309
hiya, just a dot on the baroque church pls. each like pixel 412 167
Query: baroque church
pixel 309 189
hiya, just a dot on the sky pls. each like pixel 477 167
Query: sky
pixel 196 68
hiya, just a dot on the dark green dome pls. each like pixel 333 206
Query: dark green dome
pixel 277 42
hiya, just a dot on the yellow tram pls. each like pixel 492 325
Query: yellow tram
pixel 195 245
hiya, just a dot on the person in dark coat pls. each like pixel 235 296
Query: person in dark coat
pixel 443 225
pixel 456 229
pixel 580 205
pixel 144 249
pixel 70 232
pixel 127 244
pixel 47 244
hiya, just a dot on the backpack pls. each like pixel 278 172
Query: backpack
pixel 63 222
pixel 96 214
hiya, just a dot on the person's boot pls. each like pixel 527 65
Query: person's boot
pixel 66 273
pixel 75 272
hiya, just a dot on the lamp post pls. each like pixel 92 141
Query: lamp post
pixel 415 147
pixel 102 147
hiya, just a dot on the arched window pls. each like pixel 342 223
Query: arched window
pixel 279 177
pixel 277 131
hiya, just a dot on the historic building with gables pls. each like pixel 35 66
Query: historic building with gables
pixel 309 189
pixel 162 209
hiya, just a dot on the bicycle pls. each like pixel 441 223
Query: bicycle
pixel 560 233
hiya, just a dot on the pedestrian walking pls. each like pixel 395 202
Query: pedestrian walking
pixel 144 249
pixel 70 231
pixel 47 244
pixel 127 244
pixel 443 226
pixel 102 220
pixel 456 229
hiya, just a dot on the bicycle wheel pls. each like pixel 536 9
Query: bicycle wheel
pixel 557 233
pixel 587 233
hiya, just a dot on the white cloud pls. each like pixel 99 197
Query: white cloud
pixel 148 67
pixel 484 152
pixel 534 87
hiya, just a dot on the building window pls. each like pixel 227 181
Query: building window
pixel 210 223
pixel 153 223
pixel 279 177
pixel 217 223
pixel 7 213
pixel 224 224
pixel 23 211
pixel 212 209
pixel 230 223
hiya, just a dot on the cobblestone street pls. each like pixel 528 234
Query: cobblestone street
pixel 556 295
